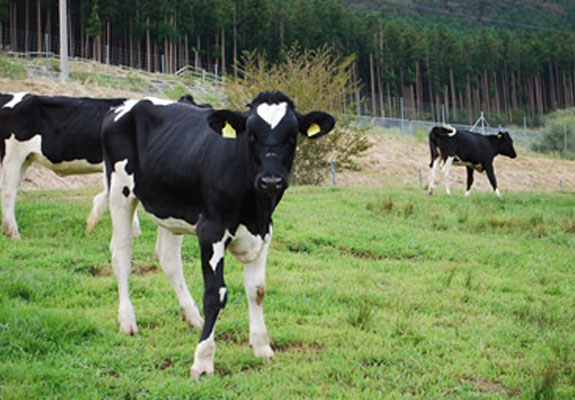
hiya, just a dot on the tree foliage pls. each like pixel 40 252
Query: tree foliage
pixel 314 80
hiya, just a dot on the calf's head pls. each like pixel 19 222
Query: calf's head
pixel 505 145
pixel 271 128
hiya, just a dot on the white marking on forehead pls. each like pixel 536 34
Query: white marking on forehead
pixel 17 98
pixel 272 113
pixel 124 109
pixel 159 102
pixel 219 249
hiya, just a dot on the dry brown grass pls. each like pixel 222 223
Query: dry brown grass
pixel 396 161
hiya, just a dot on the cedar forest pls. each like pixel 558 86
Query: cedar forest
pixel 508 71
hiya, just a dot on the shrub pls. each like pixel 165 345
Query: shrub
pixel 553 140
pixel 11 69
pixel 314 80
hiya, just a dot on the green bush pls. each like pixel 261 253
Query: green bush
pixel 11 69
pixel 553 140
pixel 314 80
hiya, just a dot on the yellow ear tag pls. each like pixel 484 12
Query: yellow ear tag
pixel 313 130
pixel 228 131
pixel 499 136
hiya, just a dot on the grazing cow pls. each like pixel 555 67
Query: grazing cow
pixel 218 174
pixel 60 133
pixel 473 150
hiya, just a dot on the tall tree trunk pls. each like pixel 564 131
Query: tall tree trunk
pixel 223 52
pixel 380 91
pixel 70 35
pixel 372 84
pixel 148 46
pixel 497 99
pixel 469 105
pixel 235 39
pixel 552 89
pixel 418 88
pixel 39 26
pixel 453 94
pixel 27 27
pixel 197 55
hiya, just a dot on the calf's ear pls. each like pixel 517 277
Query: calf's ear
pixel 227 123
pixel 315 124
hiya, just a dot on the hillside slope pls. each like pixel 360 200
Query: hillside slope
pixel 391 161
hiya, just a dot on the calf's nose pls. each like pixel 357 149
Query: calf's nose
pixel 271 184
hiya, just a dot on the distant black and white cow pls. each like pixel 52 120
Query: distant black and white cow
pixel 60 133
pixel 218 174
pixel 472 150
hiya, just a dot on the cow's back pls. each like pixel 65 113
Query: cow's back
pixel 177 161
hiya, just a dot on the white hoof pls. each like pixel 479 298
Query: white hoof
pixel 264 351
pixel 192 316
pixel 11 231
pixel 467 193
pixel 204 358
pixel 199 369
pixel 127 320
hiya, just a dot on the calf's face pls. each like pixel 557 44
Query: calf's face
pixel 271 128
pixel 505 145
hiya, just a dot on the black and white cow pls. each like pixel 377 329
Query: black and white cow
pixel 472 150
pixel 218 174
pixel 60 133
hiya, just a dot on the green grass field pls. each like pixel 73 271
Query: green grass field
pixel 371 293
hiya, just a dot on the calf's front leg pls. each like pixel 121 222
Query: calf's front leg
pixel 254 282
pixel 215 295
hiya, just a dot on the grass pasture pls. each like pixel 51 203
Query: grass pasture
pixel 371 293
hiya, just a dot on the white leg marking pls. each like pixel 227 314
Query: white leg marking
pixel 17 98
pixel 497 193
pixel 122 211
pixel 446 170
pixel 254 282
pixel 99 203
pixel 219 250
pixel 272 113
pixel 431 185
pixel 467 193
pixel 16 161
pixel 168 250
pixel 204 358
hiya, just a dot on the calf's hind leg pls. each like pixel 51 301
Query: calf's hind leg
pixel 14 167
pixel 122 208
pixel 168 250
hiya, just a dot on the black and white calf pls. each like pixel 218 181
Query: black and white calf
pixel 60 133
pixel 218 174
pixel 472 150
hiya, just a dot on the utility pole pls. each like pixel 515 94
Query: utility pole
pixel 63 41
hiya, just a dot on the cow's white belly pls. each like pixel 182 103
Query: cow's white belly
pixel 174 225
pixel 31 150
pixel 245 246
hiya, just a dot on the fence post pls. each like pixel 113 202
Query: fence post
pixel 108 59
pixel 332 164
pixel 565 135
pixel 163 60
pixel 402 114
pixel 47 54
pixel 443 114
